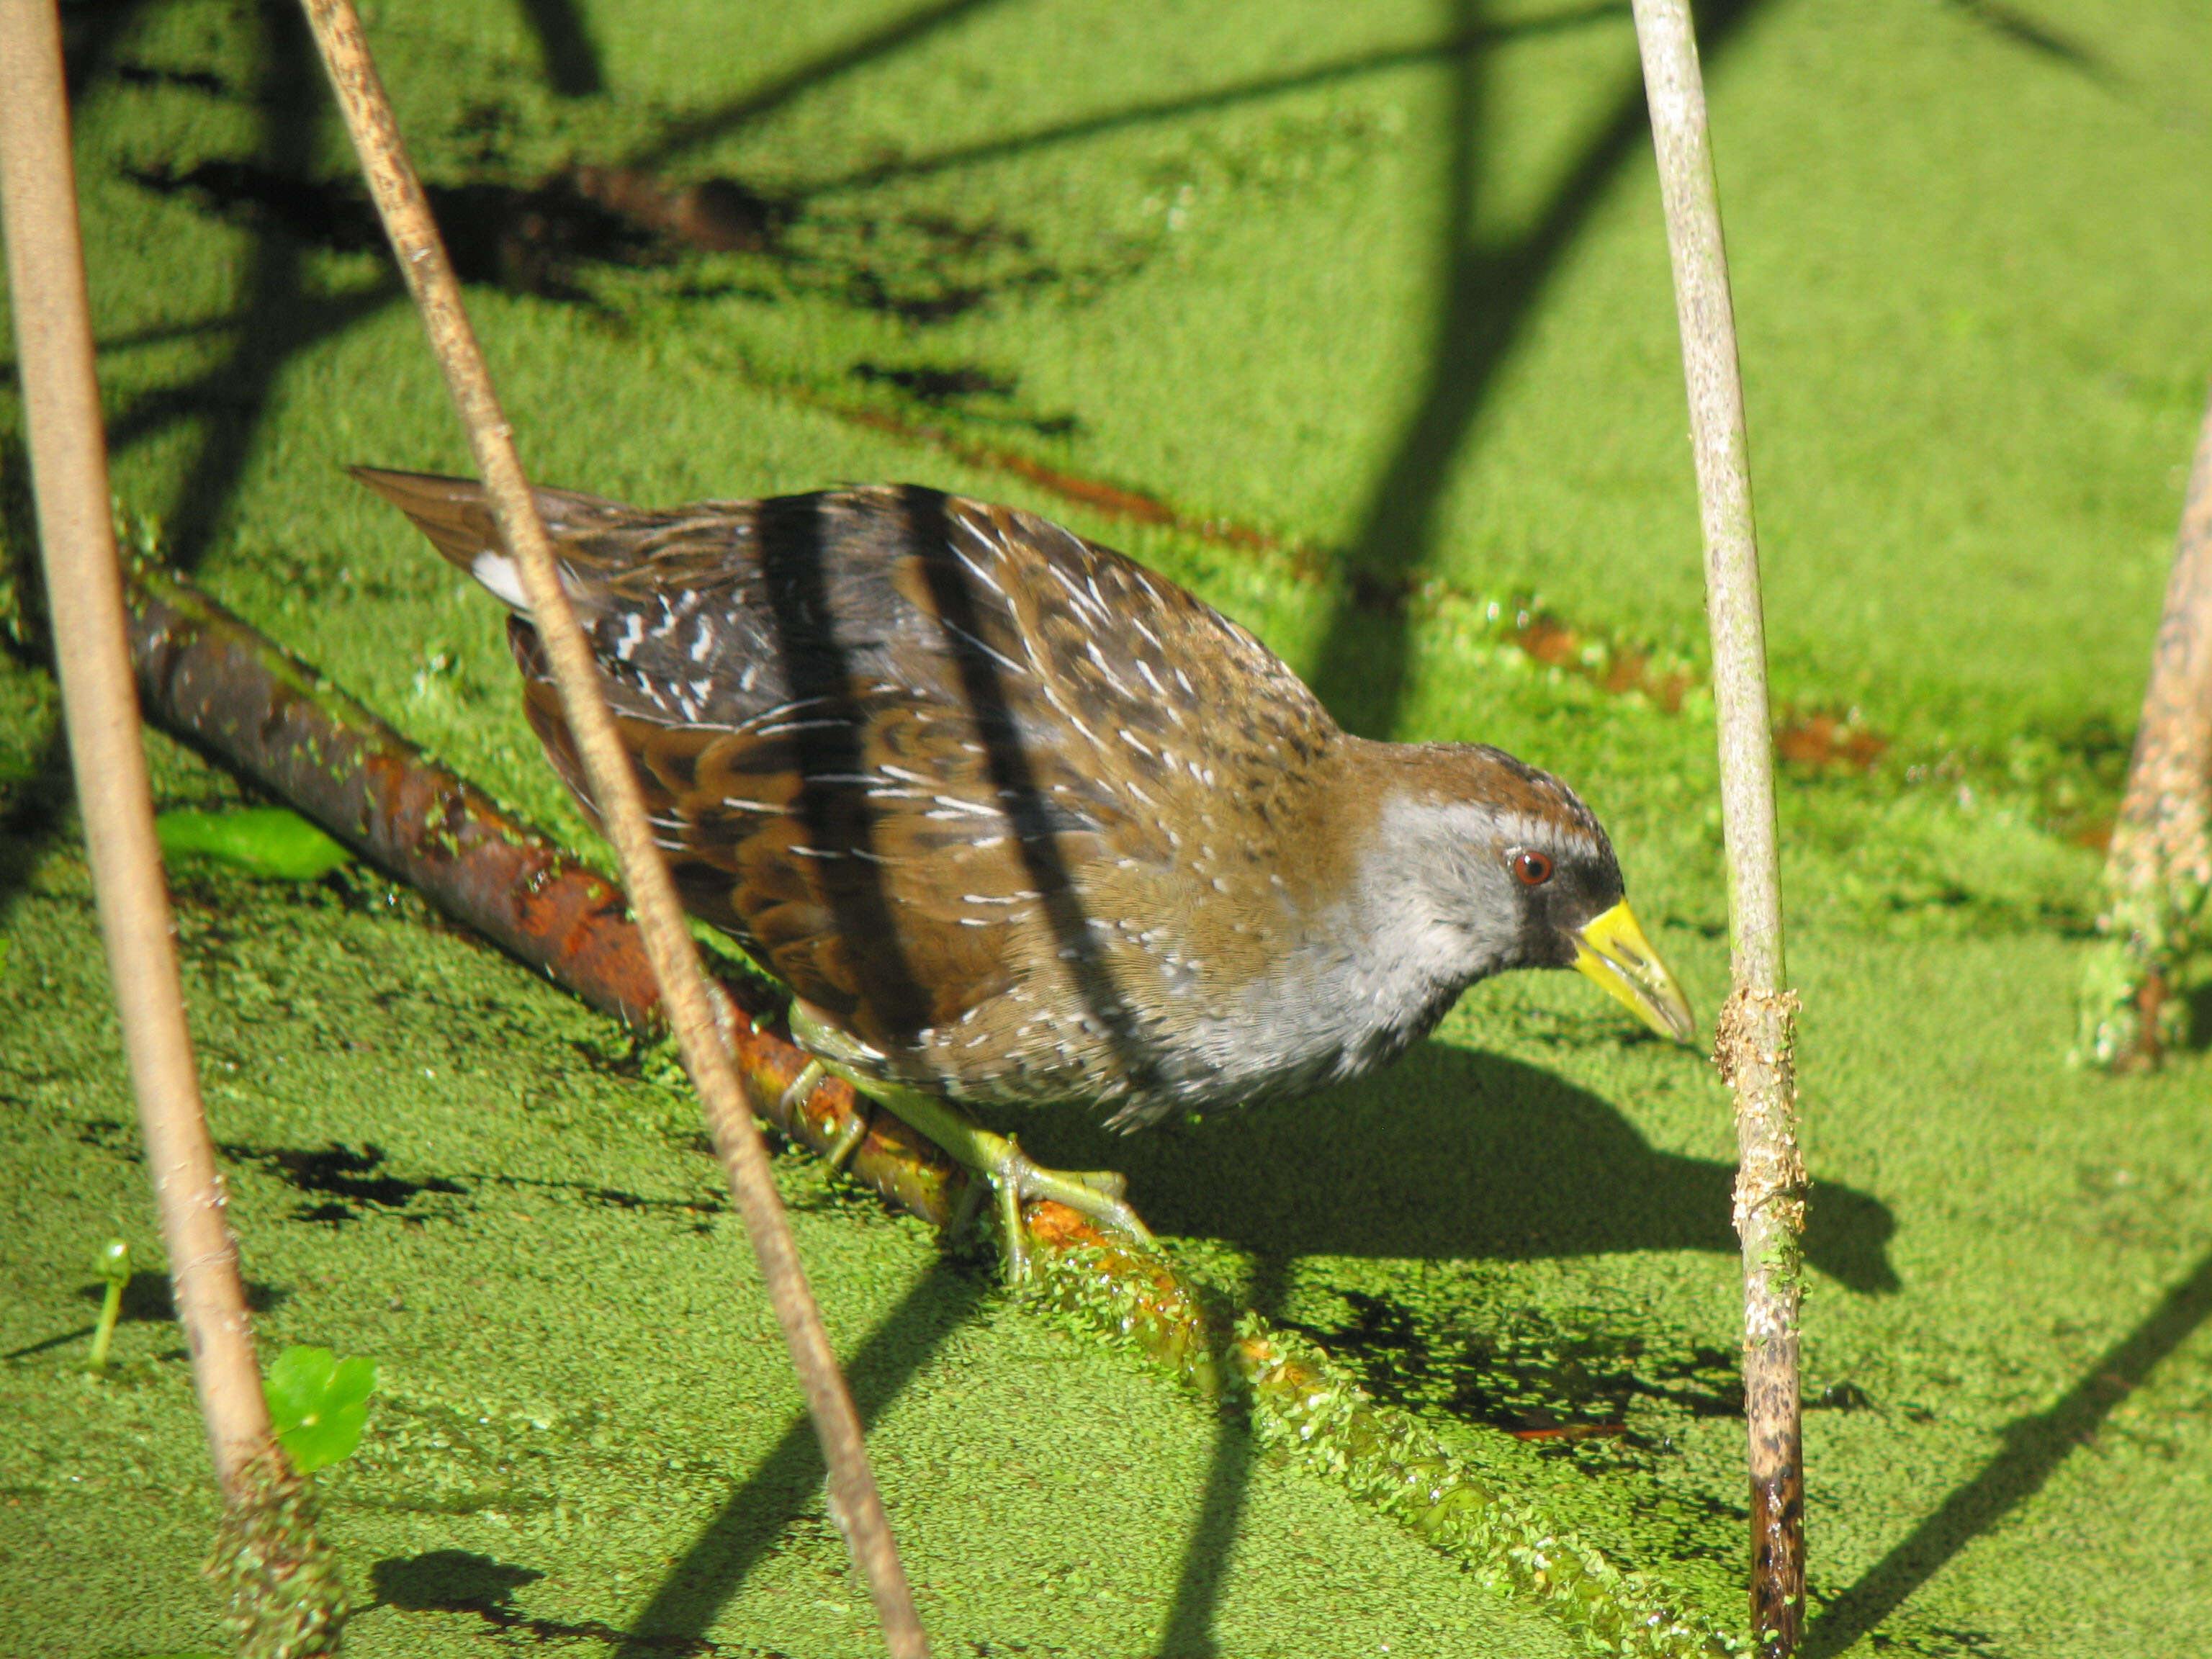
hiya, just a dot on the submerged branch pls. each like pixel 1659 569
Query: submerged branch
pixel 1303 1406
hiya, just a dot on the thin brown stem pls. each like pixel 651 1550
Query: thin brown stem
pixel 1755 1038
pixel 854 1500
pixel 2159 871
pixel 290 1598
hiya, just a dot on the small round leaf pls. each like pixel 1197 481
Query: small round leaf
pixel 318 1405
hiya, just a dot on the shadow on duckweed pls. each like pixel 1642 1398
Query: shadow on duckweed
pixel 2016 27
pixel 34 795
pixel 147 1298
pixel 1558 1380
pixel 343 1183
pixel 781 1490
pixel 718 121
pixel 1452 1155
pixel 573 66
pixel 281 314
pixel 346 1184
pixel 1488 289
pixel 146 1301
pixel 460 1581
pixel 447 1580
pixel 544 240
pixel 1455 1157
pixel 2035 1446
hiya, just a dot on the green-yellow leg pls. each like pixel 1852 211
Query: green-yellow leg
pixel 1014 1181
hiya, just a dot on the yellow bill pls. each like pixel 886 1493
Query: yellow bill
pixel 1613 951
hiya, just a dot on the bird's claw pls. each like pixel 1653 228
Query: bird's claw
pixel 853 1131
pixel 1095 1194
pixel 796 1092
pixel 850 1133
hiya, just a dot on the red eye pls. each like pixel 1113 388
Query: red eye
pixel 1531 869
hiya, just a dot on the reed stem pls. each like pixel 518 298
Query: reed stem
pixel 1754 1041
pixel 855 1502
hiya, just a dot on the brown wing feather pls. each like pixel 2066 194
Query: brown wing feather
pixel 928 758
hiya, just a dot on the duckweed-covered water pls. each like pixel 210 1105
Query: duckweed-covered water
pixel 1385 287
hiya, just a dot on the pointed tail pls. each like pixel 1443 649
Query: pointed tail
pixel 456 515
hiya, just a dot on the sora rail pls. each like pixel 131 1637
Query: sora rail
pixel 1018 821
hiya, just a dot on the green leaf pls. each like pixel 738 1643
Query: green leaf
pixel 266 841
pixel 318 1404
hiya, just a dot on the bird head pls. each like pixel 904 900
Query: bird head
pixel 1514 869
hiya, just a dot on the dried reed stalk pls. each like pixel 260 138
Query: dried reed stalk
pixel 854 1502
pixel 2158 874
pixel 286 1597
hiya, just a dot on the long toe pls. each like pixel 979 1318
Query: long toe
pixel 1096 1195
